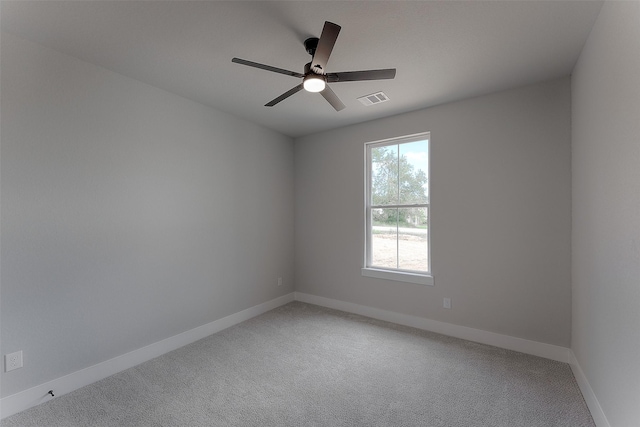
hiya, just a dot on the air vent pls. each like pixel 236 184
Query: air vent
pixel 374 98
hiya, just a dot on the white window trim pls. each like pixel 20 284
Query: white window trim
pixel 398 275
pixel 422 278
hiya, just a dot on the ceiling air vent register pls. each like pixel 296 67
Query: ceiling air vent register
pixel 374 98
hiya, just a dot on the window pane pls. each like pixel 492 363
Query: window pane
pixel 397 184
pixel 384 238
pixel 413 172
pixel 413 239
pixel 384 175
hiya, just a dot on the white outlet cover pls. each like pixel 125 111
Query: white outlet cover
pixel 446 302
pixel 13 361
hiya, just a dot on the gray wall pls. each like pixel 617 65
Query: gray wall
pixel 500 218
pixel 129 214
pixel 606 211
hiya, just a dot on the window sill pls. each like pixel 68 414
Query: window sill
pixel 399 276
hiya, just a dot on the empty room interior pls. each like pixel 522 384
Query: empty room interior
pixel 345 213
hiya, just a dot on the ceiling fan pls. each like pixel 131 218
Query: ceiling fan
pixel 315 78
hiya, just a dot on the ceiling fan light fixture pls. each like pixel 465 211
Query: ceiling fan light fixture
pixel 314 83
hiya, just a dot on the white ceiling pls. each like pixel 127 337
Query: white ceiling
pixel 443 50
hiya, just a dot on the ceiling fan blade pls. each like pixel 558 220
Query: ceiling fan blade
pixel 266 67
pixel 284 95
pixel 325 46
pixel 354 76
pixel 333 99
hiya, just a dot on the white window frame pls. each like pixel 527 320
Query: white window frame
pixel 419 277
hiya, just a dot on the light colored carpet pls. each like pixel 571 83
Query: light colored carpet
pixel 304 365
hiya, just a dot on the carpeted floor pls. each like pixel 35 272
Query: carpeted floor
pixel 304 365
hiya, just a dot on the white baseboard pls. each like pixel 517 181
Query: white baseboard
pixel 31 397
pixel 535 348
pixel 587 392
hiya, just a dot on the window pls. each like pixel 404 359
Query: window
pixel 397 209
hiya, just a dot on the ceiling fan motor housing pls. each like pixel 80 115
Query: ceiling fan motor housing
pixel 308 69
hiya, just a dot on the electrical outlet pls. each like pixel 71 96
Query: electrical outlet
pixel 279 281
pixel 13 361
pixel 446 302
